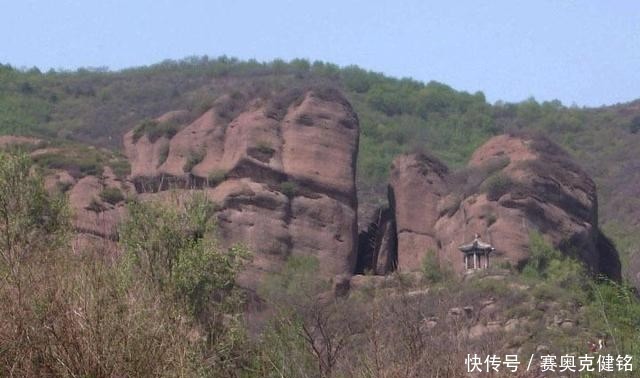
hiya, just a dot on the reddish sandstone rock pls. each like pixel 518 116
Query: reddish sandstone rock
pixel 282 172
pixel 91 214
pixel 513 185
pixel 416 186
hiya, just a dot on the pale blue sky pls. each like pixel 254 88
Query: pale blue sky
pixel 583 52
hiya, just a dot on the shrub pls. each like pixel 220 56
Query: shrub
pixel 432 271
pixel 63 186
pixel 30 216
pixel 111 195
pixel 305 119
pixel 468 181
pixel 156 130
pixel 634 125
pixel 121 168
pixel 163 154
pixel 294 280
pixel 265 147
pixel 95 206
pixel 497 185
pixel 614 310
pixel 320 329
pixel 84 320
pixel 216 177
pixel 280 103
pixel 78 163
pixel 166 129
pixel 553 267
pixel 143 128
pixel 541 254
pixel 289 188
pixel 80 314
pixel 194 158
pixel 201 106
pixel 263 151
pixel 545 292
pixel 228 107
pixel 176 251
pixel 491 219
pixel 491 286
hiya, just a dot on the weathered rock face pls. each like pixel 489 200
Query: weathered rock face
pixel 95 218
pixel 416 186
pixel 283 173
pixel 512 186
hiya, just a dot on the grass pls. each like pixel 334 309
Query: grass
pixel 112 195
pixel 305 119
pixel 216 177
pixel 193 158
pixel 121 167
pixel 96 206
pixel 498 185
pixel 265 147
pixel 155 130
pixel 79 162
pixel 163 154
pixel 143 128
pixel 288 188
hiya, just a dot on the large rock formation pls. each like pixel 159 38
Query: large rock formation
pixel 416 187
pixel 282 172
pixel 513 185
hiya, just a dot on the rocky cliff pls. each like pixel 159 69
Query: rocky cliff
pixel 281 170
pixel 512 186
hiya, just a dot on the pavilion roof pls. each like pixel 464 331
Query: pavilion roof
pixel 476 245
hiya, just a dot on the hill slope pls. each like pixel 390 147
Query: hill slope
pixel 396 116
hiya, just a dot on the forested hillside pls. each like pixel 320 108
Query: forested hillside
pixel 97 106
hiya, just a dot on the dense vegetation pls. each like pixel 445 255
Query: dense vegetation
pixel 169 306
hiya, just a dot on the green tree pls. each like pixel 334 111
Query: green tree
pixel 174 250
pixel 432 272
pixel 309 319
pixel 30 220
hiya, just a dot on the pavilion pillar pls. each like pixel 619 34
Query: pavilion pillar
pixel 475 261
